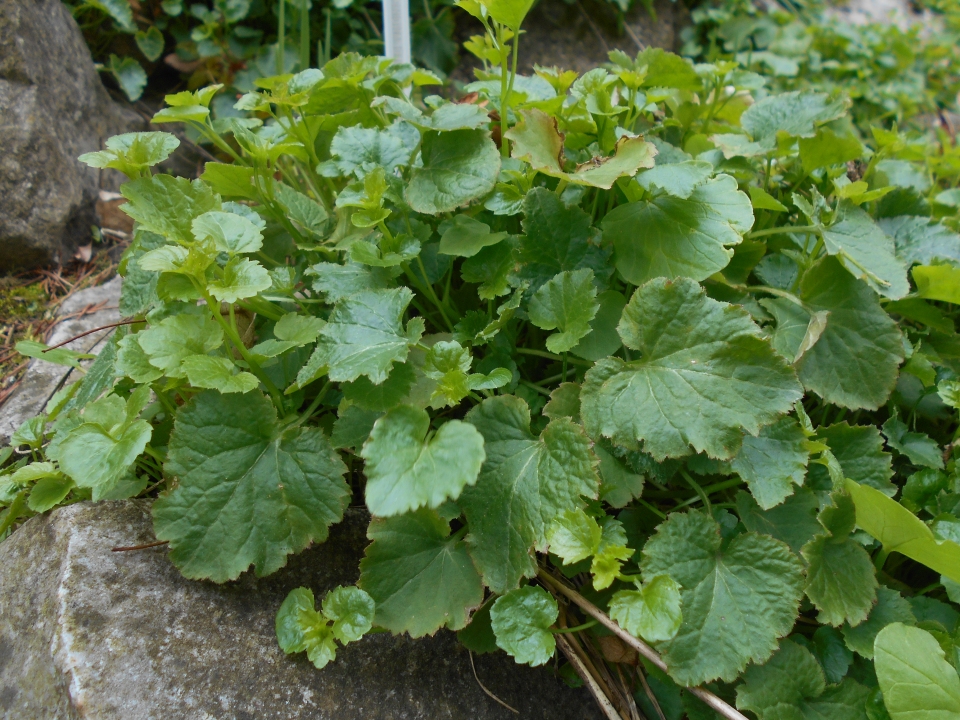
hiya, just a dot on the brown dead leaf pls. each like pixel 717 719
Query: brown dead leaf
pixel 616 651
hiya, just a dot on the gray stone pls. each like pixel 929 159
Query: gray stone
pixel 81 312
pixel 53 108
pixel 93 634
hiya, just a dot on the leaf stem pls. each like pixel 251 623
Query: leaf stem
pixel 699 490
pixel 552 356
pixel 578 628
pixel 780 230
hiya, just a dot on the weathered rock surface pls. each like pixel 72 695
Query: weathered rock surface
pixel 83 311
pixel 53 108
pixel 89 633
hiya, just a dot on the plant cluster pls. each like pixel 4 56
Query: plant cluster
pixel 655 367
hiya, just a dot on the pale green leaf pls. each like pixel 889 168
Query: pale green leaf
pixel 242 278
pixel 217 373
pixel 919 241
pixel 176 338
pixel 916 681
pixel 406 471
pixel 132 153
pixel 573 536
pixel 230 233
pixel 167 205
pixel 48 493
pixel 795 113
pixel 678 179
pixel 652 611
pixel 351 610
pixel 827 148
pixel 521 621
pixel 364 335
pixel 465 237
pixel 937 282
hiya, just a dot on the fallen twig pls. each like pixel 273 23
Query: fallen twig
pixel 484 687
pixel 97 329
pixel 707 697
pixel 155 543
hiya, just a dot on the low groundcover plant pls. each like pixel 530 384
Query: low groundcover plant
pixel 652 367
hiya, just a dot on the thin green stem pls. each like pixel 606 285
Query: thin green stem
pixel 308 413
pixel 504 150
pixel 652 508
pixel 699 490
pixel 576 628
pixel 783 229
pixel 536 388
pixel 552 356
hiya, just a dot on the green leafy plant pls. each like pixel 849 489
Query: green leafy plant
pixel 625 360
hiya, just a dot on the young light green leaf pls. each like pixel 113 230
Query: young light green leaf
pixel 217 373
pixel 100 450
pixel 937 282
pixel 841 581
pixel 229 232
pixel 242 278
pixel 891 607
pixel 916 681
pixel 854 363
pixel 405 471
pixel 133 153
pixel 351 610
pixel 167 205
pixel 292 330
pixel 458 167
pixel 521 621
pixel 58 356
pixel 420 577
pixel 679 237
pixel 726 623
pixel 827 148
pixel 364 336
pixel 248 492
pixel 134 363
pixel 773 462
pixel 526 478
pixel 573 536
pixel 358 149
pixel 898 529
pixel 652 611
pixel 508 12
pixel 795 113
pixel 49 492
pixel 678 179
pixel 448 363
pixel 704 376
pixel 339 281
pixel 465 237
pixel 300 627
pixel 129 74
pixel 176 338
pixel 566 303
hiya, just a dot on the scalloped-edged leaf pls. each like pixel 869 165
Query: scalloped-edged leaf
pixel 795 113
pixel 406 471
pixel 726 622
pixel 458 167
pixel 919 241
pixel 420 576
pixel 566 303
pixel 521 622
pixel 525 478
pixel 249 493
pixel 854 363
pixel 703 378
pixel 167 205
pixel 364 335
pixel 679 237
pixel 773 461
pixel 652 611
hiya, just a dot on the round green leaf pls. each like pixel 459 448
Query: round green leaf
pixel 521 621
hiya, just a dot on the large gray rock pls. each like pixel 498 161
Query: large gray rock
pixel 89 633
pixel 53 108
